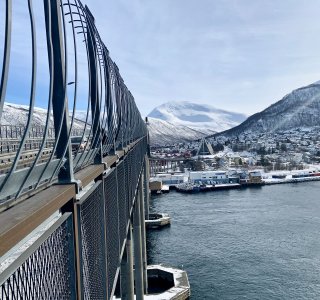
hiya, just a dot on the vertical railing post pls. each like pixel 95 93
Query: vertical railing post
pixel 59 95
pixel 71 207
pixel 6 55
pixel 146 186
pixel 104 195
pixel 94 88
pixel 143 234
pixel 127 290
pixel 138 263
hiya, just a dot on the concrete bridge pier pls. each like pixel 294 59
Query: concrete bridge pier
pixel 126 271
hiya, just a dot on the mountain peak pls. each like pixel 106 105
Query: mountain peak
pixel 299 109
pixel 165 133
pixel 197 116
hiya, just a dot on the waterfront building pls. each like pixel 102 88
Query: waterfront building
pixel 209 176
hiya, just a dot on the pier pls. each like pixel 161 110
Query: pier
pixel 210 181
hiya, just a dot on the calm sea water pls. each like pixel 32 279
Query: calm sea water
pixel 258 243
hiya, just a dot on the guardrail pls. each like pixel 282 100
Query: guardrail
pixel 97 158
pixel 50 259
pixel 17 132
pixel 81 254
pixel 109 122
pixel 88 168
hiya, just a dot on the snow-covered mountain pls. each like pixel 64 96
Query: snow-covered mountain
pixel 165 133
pixel 17 115
pixel 161 132
pixel 300 108
pixel 201 117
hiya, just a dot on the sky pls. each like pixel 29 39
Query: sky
pixel 238 55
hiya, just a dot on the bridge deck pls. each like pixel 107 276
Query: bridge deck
pixel 21 219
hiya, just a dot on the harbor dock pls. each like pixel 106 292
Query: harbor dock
pixel 195 182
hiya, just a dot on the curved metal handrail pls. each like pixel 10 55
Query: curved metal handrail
pixel 111 120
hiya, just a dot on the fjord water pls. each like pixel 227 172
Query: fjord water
pixel 255 243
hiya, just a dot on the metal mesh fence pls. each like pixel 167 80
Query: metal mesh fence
pixel 112 228
pixel 46 269
pixel 146 189
pixel 132 158
pixel 123 218
pixel 126 182
pixel 129 182
pixel 93 255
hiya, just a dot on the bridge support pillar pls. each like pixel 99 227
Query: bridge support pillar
pixel 138 262
pixel 127 290
pixel 143 234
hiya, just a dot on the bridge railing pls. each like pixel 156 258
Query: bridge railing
pixel 85 97
pixel 29 276
pixel 80 252
pixel 17 132
pixel 75 169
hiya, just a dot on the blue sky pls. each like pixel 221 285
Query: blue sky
pixel 239 55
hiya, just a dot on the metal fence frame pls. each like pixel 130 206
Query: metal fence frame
pixel 40 173
pixel 30 276
pixel 92 243
pixel 112 119
pixel 99 220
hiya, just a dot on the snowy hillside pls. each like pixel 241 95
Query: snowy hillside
pixel 201 117
pixel 164 133
pixel 161 132
pixel 300 108
pixel 17 115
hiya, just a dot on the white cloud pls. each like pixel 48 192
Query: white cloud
pixel 239 55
